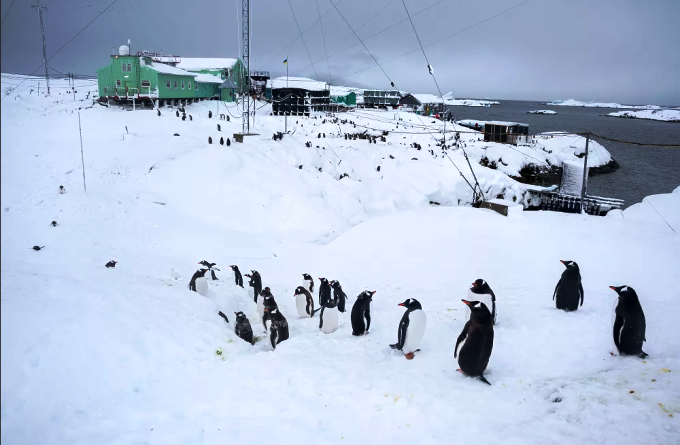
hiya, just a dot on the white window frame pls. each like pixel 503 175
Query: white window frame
pixel 118 83
pixel 148 83
pixel 167 84
pixel 175 84
pixel 182 84
pixel 124 68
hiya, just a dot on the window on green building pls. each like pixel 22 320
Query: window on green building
pixel 189 86
pixel 175 84
pixel 146 83
pixel 124 67
pixel 167 84
pixel 117 82
pixel 182 84
pixel 129 67
pixel 197 87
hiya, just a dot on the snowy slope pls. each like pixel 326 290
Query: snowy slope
pixel 128 355
pixel 656 115
pixel 578 103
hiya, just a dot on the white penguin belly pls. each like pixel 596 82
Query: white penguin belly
pixel 260 305
pixel 414 331
pixel 307 284
pixel 202 286
pixel 330 320
pixel 301 304
pixel 482 298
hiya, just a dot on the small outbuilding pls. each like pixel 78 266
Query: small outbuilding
pixel 299 96
pixel 409 101
pixel 228 91
pixel 381 98
pixel 506 132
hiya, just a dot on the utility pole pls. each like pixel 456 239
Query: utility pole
pixel 585 175
pixel 245 40
pixel 42 32
pixel 285 117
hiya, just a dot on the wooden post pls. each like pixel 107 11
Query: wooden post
pixel 585 175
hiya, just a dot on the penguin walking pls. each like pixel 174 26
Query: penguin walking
pixel 111 263
pixel 242 327
pixel 328 318
pixel 477 339
pixel 268 303
pixel 569 289
pixel 481 291
pixel 324 292
pixel 304 302
pixel 411 328
pixel 629 324
pixel 308 282
pixel 238 279
pixel 361 310
pixel 279 327
pixel 256 283
pixel 200 274
pixel 339 295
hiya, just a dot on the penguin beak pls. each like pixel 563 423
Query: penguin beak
pixel 561 261
pixel 466 302
pixel 401 304
pixel 474 284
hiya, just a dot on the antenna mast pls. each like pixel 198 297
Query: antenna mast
pixel 245 41
pixel 42 32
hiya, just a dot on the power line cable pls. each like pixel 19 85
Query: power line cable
pixel 328 63
pixel 8 10
pixel 303 39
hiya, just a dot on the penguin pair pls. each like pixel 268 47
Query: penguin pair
pixel 238 279
pixel 199 283
pixel 361 313
pixel 481 291
pixel 411 328
pixel 211 267
pixel 278 329
pixel 268 305
pixel 256 283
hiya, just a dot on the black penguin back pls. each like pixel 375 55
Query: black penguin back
pixel 478 334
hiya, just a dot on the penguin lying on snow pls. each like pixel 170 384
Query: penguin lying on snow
pixel 268 304
pixel 279 327
pixel 324 291
pixel 111 263
pixel 569 289
pixel 198 275
pixel 37 248
pixel 308 282
pixel 242 328
pixel 304 302
pixel 477 336
pixel 411 328
pixel 338 295
pixel 630 324
pixel 238 279
pixel 361 310
pixel 328 318
pixel 481 291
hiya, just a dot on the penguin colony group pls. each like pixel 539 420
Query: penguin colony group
pixel 474 344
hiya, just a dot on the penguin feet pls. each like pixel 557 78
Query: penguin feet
pixel 643 354
pixel 409 356
pixel 394 346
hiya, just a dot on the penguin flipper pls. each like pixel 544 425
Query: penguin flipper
pixel 461 337
pixel 618 324
pixel 403 326
pixel 580 288
pixel 367 314
pixel 321 318
pixel 221 314
pixel 481 377
pixel 556 287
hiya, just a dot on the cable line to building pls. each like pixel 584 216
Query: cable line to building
pixel 328 63
pixel 303 39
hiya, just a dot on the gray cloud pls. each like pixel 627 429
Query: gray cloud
pixel 605 50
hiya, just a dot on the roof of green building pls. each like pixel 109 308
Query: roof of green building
pixel 228 84
pixel 208 78
pixel 167 69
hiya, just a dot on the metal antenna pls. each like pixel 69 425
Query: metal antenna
pixel 245 41
pixel 42 32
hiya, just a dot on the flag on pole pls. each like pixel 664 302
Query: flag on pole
pixel 285 62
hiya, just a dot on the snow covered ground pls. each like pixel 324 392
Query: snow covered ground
pixel 471 102
pixel 578 103
pixel 542 112
pixel 129 355
pixel 656 115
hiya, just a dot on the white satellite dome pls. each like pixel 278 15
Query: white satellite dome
pixel 124 50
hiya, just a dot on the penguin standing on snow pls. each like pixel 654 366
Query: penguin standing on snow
pixel 477 338
pixel 630 324
pixel 279 327
pixel 361 310
pixel 328 318
pixel 238 279
pixel 242 328
pixel 480 291
pixel 324 292
pixel 308 282
pixel 304 302
pixel 256 283
pixel 199 274
pixel 338 295
pixel 411 328
pixel 569 289
pixel 268 304
pixel 210 267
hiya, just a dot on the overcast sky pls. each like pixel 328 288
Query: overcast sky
pixel 625 51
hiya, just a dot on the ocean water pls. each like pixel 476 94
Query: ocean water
pixel 643 170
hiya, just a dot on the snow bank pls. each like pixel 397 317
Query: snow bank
pixel 130 355
pixel 663 211
pixel 576 103
pixel 656 115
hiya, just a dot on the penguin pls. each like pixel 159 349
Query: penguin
pixel 53 224
pixel 37 248
pixel 228 142
pixel 199 274
pixel 324 292
pixel 221 314
pixel 219 128
pixel 411 328
pixel 242 328
pixel 207 264
pixel 629 324
pixel 279 327
pixel 111 263
pixel 209 140
pixel 221 141
pixel 328 318
pixel 477 338
pixel 304 302
pixel 569 289
pixel 361 310
pixel 256 283
pixel 481 291
pixel 210 267
pixel 238 279
pixel 268 303
pixel 308 282
pixel 177 113
pixel 338 295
